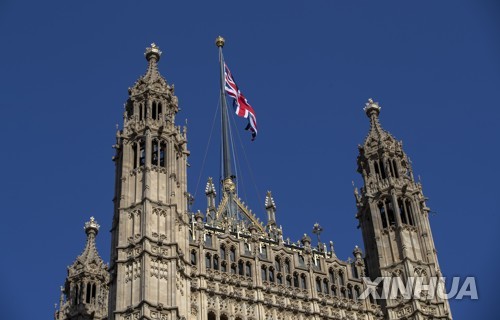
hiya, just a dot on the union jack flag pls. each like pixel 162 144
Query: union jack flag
pixel 240 103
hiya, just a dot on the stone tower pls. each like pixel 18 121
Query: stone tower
pixel 394 220
pixel 149 234
pixel 85 292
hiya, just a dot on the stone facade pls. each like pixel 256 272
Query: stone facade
pixel 169 263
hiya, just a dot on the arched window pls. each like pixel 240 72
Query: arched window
pixel 279 278
pixel 402 214
pixel 271 274
pixel 263 273
pixel 303 283
pixel 296 280
pixel 302 261
pixel 263 251
pixel 232 254
pixel 241 268
pixel 318 285
pixel 142 153
pixel 341 278
pixel 287 266
pixel 88 292
pixel 193 257
pixel 222 252
pixel 383 215
pixel 349 292
pixel 326 286
pixel 208 240
pixel 154 110
pixel 233 268
pixel 160 110
pixel 223 266
pixel 409 212
pixel 94 289
pixel 331 273
pixel 141 111
pixel 390 211
pixel 163 153
pixel 248 271
pixel 77 295
pixel 208 261
pixel 277 264
pixel 395 168
pixel 216 262
pixel 289 281
pixel 334 290
pixel 211 316
pixel 223 317
pixel 354 270
pixel 155 152
pixel 356 292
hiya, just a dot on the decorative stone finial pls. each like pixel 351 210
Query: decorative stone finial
pixel 153 52
pixel 91 226
pixel 269 203
pixel 371 107
pixel 219 41
pixel 317 229
pixel 210 188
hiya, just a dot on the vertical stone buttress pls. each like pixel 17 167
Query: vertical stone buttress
pixel 149 232
pixel 85 292
pixel 394 220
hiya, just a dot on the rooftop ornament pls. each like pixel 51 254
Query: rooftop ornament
pixel 317 229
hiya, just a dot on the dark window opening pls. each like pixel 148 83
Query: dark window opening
pixel 325 287
pixel 193 258
pixel 318 285
pixel 142 154
pixel 295 280
pixel 163 152
pixel 208 261
pixel 208 240
pixel 241 270
pixel 216 262
pixel 87 293
pixel 279 278
pixel 271 274
pixel 383 216
pixel 233 268
pixel 263 273
pixel 211 316
pixel 303 283
pixel 248 269
pixel 341 278
pixel 232 254
pixel 154 110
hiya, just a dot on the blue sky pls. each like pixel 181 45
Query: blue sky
pixel 307 67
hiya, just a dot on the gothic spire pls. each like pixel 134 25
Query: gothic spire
pixel 152 79
pixel 85 293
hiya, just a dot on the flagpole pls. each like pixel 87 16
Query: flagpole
pixel 227 172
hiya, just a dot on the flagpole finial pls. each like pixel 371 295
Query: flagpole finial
pixel 219 42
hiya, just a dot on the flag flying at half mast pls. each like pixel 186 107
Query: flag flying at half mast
pixel 240 103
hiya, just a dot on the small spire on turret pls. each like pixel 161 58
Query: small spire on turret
pixel 372 107
pixel 270 208
pixel 91 226
pixel 153 52
pixel 210 188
